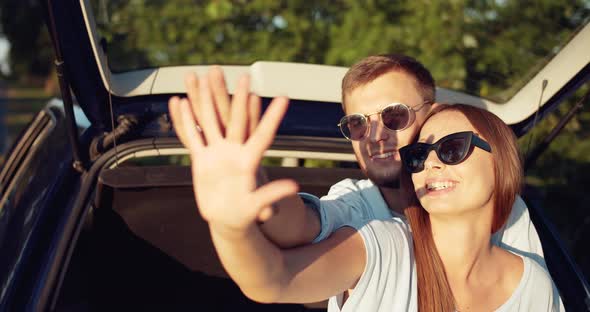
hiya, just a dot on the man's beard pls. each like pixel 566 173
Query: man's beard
pixel 389 180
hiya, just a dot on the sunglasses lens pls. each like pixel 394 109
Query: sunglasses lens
pixel 396 117
pixel 354 126
pixel 413 157
pixel 453 151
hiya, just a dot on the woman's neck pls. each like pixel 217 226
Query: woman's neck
pixel 480 274
pixel 464 244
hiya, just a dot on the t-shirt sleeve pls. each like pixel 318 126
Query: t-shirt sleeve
pixel 541 295
pixel 519 235
pixel 388 278
pixel 342 206
pixel 388 246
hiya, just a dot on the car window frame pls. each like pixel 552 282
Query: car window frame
pixel 22 148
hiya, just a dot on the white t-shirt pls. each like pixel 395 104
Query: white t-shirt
pixel 389 280
pixel 354 202
pixel 351 202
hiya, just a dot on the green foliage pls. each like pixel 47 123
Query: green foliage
pixel 320 163
pixel 562 174
pixel 271 161
pixel 572 144
pixel 488 48
pixel 30 53
pixel 156 33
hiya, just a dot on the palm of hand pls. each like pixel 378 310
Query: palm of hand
pixel 225 157
pixel 226 168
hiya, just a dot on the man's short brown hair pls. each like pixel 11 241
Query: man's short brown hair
pixel 372 67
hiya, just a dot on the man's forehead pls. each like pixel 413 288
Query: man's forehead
pixel 391 87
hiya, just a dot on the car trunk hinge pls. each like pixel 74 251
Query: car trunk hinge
pixel 64 86
pixel 125 125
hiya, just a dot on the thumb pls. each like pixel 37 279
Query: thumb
pixel 264 197
pixel 266 213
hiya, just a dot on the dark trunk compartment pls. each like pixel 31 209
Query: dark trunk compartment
pixel 145 247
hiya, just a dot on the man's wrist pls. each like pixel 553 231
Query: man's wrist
pixel 232 233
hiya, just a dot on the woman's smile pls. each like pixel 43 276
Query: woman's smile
pixel 438 186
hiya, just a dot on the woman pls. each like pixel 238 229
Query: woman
pixel 465 176
pixel 462 189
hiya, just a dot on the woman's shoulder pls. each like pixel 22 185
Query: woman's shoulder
pixel 538 276
pixel 536 291
pixel 540 289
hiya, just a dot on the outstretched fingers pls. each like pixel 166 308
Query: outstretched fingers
pixel 236 129
pixel 192 135
pixel 264 134
pixel 191 82
pixel 254 107
pixel 220 95
pixel 208 118
pixel 177 121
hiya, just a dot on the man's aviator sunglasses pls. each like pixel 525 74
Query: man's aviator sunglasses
pixel 451 150
pixel 395 117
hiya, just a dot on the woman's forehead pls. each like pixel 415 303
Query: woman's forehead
pixel 442 124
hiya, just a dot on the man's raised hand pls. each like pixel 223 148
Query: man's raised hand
pixel 226 149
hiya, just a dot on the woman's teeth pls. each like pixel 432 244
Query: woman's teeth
pixel 437 186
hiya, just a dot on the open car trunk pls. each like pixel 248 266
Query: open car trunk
pixel 145 247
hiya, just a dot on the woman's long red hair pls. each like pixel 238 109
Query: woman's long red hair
pixel 434 291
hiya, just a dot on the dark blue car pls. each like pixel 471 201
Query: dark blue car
pixel 97 211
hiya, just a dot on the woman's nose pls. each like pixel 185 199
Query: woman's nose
pixel 432 161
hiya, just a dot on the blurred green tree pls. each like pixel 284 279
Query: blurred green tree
pixel 488 48
pixel 30 54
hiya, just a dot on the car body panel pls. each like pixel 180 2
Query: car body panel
pixel 27 204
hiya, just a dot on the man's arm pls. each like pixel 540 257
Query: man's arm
pixel 292 224
pixel 230 201
pixel 268 274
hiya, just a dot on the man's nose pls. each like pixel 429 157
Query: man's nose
pixel 377 131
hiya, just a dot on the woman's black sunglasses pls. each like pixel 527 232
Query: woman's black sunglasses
pixel 451 150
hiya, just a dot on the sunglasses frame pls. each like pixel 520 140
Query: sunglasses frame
pixel 411 111
pixel 471 138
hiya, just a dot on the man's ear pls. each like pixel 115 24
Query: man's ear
pixel 434 105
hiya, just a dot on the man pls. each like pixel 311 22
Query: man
pixel 386 99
